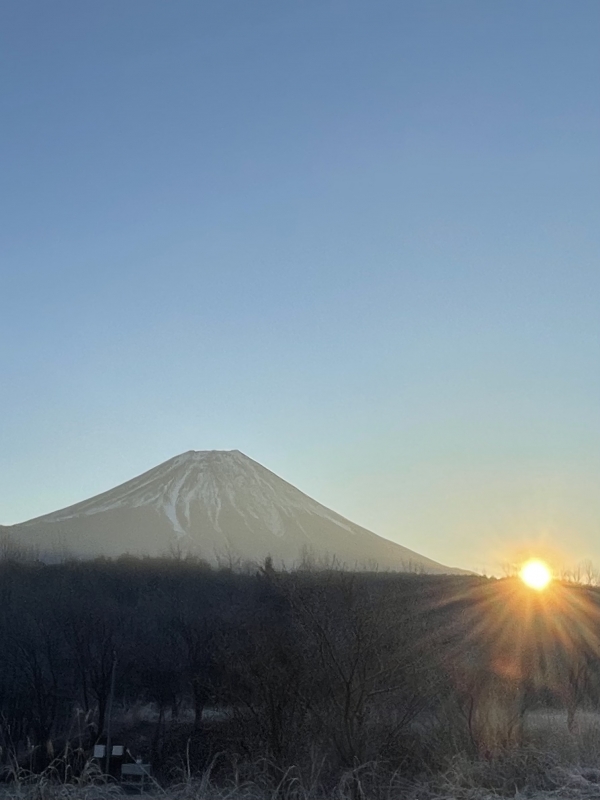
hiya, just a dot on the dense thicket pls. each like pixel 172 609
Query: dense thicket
pixel 298 668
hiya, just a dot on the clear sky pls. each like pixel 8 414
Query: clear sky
pixel 356 239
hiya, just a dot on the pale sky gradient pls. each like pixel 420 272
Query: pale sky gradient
pixel 358 241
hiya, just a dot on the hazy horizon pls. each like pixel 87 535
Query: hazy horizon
pixel 356 241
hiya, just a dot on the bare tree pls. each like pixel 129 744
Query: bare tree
pixel 365 644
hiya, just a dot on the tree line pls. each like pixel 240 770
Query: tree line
pixel 285 668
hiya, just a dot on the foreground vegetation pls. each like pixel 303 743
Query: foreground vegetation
pixel 311 684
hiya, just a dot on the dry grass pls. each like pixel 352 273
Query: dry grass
pixel 548 731
pixel 554 764
pixel 523 773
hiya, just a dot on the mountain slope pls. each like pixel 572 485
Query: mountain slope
pixel 217 504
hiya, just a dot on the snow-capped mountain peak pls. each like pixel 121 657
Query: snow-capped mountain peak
pixel 214 502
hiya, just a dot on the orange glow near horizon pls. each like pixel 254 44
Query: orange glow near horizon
pixel 535 574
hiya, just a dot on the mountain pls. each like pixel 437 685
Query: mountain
pixel 218 505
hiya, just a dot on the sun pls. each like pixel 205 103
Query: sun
pixel 536 574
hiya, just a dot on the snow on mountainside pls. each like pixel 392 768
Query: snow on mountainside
pixel 210 478
pixel 216 504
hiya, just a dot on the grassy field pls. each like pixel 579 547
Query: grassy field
pixel 553 764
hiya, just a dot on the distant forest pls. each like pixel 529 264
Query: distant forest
pixel 230 668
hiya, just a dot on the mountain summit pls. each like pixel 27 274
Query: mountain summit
pixel 216 504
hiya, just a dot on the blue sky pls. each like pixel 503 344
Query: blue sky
pixel 357 241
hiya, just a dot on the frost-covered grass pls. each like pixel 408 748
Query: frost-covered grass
pixel 524 773
pixel 553 764
pixel 548 731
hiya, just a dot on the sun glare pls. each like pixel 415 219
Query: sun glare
pixel 536 574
